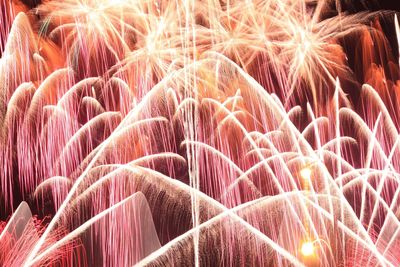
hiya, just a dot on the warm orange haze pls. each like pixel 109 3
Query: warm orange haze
pixel 199 133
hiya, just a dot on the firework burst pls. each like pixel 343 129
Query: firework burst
pixel 198 132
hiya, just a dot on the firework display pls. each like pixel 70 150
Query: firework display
pixel 199 133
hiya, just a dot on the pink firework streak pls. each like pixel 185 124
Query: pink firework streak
pixel 199 133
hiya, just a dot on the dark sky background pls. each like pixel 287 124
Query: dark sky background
pixel 354 6
pixel 376 5
pixel 357 4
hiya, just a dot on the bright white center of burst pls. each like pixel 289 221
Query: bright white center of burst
pixel 307 249
pixel 305 173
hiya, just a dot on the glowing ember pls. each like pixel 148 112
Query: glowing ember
pixel 307 249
